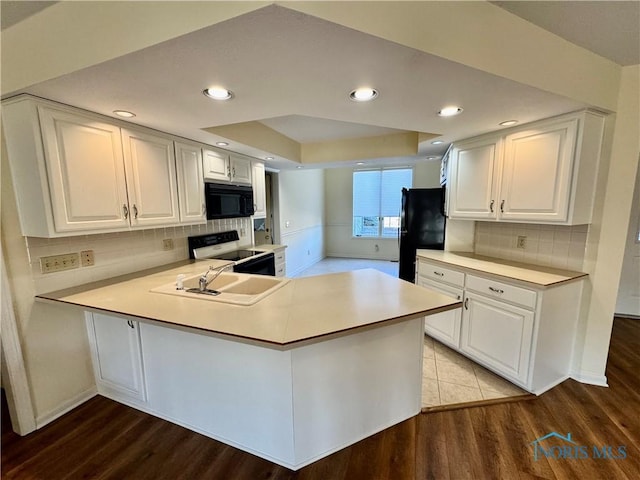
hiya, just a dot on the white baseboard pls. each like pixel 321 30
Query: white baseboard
pixel 67 406
pixel 591 379
pixel 362 256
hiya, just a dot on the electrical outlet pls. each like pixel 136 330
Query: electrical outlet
pixel 86 258
pixel 58 263
pixel 522 241
pixel 167 244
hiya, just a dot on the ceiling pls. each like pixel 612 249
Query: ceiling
pixel 292 73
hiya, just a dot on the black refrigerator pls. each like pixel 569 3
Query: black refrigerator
pixel 422 223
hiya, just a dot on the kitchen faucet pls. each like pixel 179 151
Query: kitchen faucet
pixel 205 280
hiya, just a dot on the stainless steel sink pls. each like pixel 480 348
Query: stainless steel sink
pixel 234 288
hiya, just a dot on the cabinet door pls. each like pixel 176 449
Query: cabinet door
pixel 473 179
pixel 259 191
pixel 190 183
pixel 151 179
pixel 216 166
pixel 117 356
pixel 443 326
pixel 240 170
pixel 497 335
pixel 536 179
pixel 85 171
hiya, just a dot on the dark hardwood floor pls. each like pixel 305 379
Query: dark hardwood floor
pixel 102 439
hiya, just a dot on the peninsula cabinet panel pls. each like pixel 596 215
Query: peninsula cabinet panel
pixel 473 179
pixel 85 171
pixel 190 183
pixel 117 357
pixel 150 167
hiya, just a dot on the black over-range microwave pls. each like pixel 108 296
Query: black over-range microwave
pixel 228 201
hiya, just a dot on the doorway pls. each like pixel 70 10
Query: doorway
pixel 266 230
pixel 628 303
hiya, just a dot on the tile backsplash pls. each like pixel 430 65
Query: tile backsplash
pixel 123 252
pixel 557 246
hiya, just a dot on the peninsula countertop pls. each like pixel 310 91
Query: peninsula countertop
pixel 533 275
pixel 304 309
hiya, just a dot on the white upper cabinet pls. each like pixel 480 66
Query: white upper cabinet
pixel 219 166
pixel 259 191
pixel 240 169
pixel 216 165
pixel 85 170
pixel 544 172
pixel 190 183
pixel 150 168
pixel 536 177
pixel 75 172
pixel 473 179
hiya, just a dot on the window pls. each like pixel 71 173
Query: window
pixel 376 201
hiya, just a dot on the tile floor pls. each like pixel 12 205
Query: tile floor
pixel 448 378
pixel 335 265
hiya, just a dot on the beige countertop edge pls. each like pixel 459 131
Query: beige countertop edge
pixel 521 272
pixel 284 345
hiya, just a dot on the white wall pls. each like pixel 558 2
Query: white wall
pixel 301 211
pixel 339 214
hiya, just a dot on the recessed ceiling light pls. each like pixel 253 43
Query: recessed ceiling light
pixel 363 94
pixel 222 144
pixel 299 167
pixel 450 111
pixel 508 123
pixel 218 93
pixel 124 113
pixel 360 163
pixel 437 142
pixel 431 158
pixel 268 158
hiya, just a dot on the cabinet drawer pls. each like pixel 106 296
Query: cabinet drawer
pixel 441 274
pixel 279 257
pixel 502 291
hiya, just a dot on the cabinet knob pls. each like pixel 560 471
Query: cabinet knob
pixel 204 209
pixel 502 206
pixel 496 290
pixel 466 303
pixel 135 211
pixel 491 206
pixel 130 323
pixel 440 274
pixel 125 210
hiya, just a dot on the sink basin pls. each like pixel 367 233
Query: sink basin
pixel 221 281
pixel 253 286
pixel 234 288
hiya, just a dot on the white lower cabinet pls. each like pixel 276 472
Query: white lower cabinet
pixel 444 326
pixel 280 262
pixel 117 357
pixel 497 334
pixel 523 332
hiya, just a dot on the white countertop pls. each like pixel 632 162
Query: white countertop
pixel 303 309
pixel 534 275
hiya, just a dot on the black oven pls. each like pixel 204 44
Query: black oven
pixel 262 265
pixel 228 201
